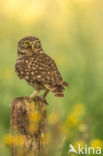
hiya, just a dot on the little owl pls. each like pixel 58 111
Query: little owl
pixel 37 68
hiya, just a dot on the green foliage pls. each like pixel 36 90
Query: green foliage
pixel 70 32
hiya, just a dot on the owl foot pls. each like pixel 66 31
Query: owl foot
pixel 43 97
pixel 32 96
pixel 45 93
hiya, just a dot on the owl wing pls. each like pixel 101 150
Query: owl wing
pixel 40 68
pixel 19 69
pixel 49 75
pixel 45 70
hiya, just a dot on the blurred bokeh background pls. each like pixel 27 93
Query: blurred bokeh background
pixel 71 31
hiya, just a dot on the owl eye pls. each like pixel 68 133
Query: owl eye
pixel 26 44
pixel 37 43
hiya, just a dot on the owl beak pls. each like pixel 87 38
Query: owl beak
pixel 32 46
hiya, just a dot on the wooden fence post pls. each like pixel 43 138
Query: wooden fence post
pixel 29 127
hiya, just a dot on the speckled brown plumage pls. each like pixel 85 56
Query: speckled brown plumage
pixel 37 68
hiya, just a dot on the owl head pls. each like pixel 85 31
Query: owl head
pixel 28 46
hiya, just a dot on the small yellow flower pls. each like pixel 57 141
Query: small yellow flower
pixel 17 140
pixel 72 120
pixel 96 143
pixel 53 118
pixel 79 109
pixel 35 116
pixel 8 139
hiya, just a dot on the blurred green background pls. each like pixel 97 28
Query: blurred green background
pixel 71 31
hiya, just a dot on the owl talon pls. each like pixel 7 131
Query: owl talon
pixel 32 96
pixel 42 98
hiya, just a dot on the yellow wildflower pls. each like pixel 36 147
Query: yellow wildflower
pixel 78 109
pixel 8 139
pixel 53 118
pixel 18 140
pixel 72 120
pixel 96 143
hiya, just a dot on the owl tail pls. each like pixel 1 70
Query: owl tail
pixel 61 89
pixel 65 84
pixel 57 90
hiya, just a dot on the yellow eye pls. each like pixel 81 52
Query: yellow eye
pixel 37 43
pixel 26 44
